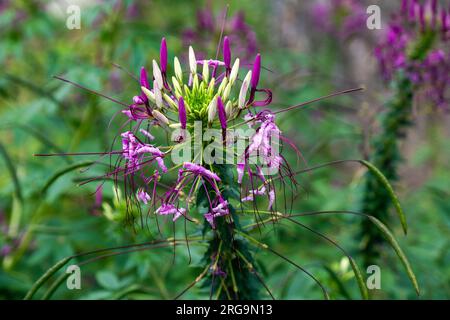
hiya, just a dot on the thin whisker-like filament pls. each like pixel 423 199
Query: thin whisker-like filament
pixel 91 91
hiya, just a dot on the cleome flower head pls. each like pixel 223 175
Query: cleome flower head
pixel 205 91
pixel 209 92
pixel 195 101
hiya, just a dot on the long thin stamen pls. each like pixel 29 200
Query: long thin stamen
pixel 75 154
pixel 319 99
pixel 91 91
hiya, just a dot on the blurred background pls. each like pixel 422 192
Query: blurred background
pixel 45 216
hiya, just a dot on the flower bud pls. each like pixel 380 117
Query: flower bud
pixel 244 89
pixel 158 94
pixel 144 78
pixel 192 61
pixel 205 72
pixel 160 117
pixel 222 114
pixel 212 108
pixel 163 55
pixel 177 69
pixel 234 71
pixel 150 95
pixel 157 75
pixel 182 113
pixel 226 53
pixel 256 72
pixel 229 109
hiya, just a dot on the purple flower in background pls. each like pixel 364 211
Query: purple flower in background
pixel 205 34
pixel 5 250
pixel 227 54
pixel 416 43
pixel 340 18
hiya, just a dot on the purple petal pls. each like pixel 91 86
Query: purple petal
pixel 199 170
pixel 404 6
pixel 222 114
pixel 226 52
pixel 138 100
pixel 182 113
pixel 144 78
pixel 240 170
pixel 143 196
pixel 163 56
pixel 256 72
pixel 422 17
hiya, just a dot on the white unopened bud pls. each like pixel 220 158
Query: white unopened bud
pixel 195 82
pixel 244 89
pixel 175 125
pixel 222 85
pixel 158 94
pixel 157 75
pixel 212 83
pixel 229 109
pixel 178 70
pixel 234 71
pixel 160 117
pixel 192 61
pixel 205 72
pixel 177 87
pixel 148 93
pixel 212 109
pixel 170 101
pixel 226 92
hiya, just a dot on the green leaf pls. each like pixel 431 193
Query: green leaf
pixel 391 192
pixel 359 278
pixel 393 242
pixel 108 280
pixel 336 278
pixel 12 171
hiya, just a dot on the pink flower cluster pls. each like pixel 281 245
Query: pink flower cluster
pixel 417 43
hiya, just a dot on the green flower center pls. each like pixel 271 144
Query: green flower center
pixel 198 100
